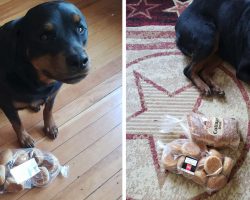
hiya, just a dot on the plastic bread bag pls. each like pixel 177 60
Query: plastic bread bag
pixel 27 168
pixel 212 131
pixel 206 167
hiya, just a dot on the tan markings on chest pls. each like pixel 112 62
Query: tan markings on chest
pixel 23 105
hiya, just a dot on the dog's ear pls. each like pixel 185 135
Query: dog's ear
pixel 11 30
pixel 17 42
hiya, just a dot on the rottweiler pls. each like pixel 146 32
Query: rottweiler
pixel 211 31
pixel 38 53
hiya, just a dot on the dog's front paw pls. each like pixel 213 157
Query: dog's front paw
pixel 204 89
pixel 26 140
pixel 218 91
pixel 51 131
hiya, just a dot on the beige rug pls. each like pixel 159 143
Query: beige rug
pixel 156 86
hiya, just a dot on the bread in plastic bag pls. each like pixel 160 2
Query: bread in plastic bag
pixel 214 131
pixel 208 168
pixel 27 168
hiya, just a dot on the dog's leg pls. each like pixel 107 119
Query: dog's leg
pixel 206 74
pixel 24 138
pixel 50 127
pixel 191 72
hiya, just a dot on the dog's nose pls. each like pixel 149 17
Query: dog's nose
pixel 85 60
pixel 77 61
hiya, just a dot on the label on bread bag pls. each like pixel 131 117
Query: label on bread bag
pixel 25 171
pixel 189 165
pixel 215 126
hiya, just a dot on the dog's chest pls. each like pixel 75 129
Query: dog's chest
pixel 35 100
pixel 23 105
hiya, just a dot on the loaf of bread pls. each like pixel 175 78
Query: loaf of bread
pixel 214 131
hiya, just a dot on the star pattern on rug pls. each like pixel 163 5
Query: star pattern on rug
pixel 178 7
pixel 143 83
pixel 141 8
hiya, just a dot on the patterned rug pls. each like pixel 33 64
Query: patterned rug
pixel 156 86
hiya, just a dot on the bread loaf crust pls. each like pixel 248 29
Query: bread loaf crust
pixel 222 132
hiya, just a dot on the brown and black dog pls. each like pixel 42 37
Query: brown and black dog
pixel 38 53
pixel 208 31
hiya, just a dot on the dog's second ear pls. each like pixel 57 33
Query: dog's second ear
pixel 15 42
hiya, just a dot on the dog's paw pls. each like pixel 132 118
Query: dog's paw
pixel 218 91
pixel 206 92
pixel 204 89
pixel 26 140
pixel 51 131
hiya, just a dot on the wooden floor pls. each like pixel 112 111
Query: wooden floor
pixel 88 114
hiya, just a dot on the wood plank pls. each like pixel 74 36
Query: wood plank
pixel 90 134
pixel 94 178
pixel 112 189
pixel 8 12
pixel 102 9
pixel 79 165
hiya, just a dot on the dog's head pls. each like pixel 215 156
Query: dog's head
pixel 55 35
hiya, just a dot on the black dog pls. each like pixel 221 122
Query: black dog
pixel 209 30
pixel 38 53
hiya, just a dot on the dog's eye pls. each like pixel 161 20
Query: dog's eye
pixel 80 29
pixel 44 37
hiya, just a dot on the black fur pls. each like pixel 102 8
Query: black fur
pixel 200 24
